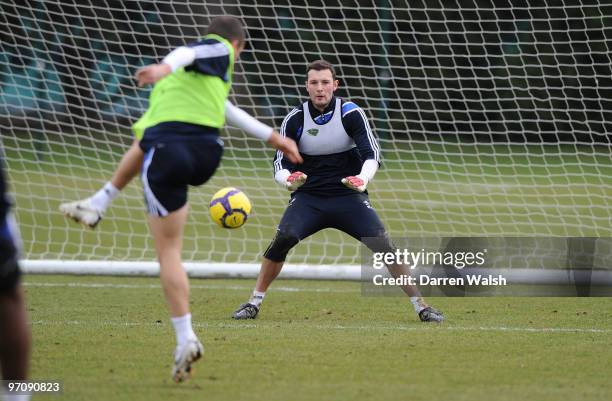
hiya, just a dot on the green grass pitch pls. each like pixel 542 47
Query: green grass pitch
pixel 110 338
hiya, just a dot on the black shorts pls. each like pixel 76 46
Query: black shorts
pixel 10 241
pixel 9 256
pixel 173 161
pixel 307 214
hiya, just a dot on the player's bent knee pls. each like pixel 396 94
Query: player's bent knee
pixel 280 246
pixel 380 243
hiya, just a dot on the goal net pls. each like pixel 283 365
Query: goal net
pixel 493 118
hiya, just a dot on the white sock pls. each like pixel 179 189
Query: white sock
pixel 104 197
pixel 257 298
pixel 418 303
pixel 182 328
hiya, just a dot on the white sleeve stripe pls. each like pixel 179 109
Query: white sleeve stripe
pixel 371 138
pixel 279 155
pixel 349 112
pixel 209 51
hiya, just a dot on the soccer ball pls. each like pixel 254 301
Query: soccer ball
pixel 230 207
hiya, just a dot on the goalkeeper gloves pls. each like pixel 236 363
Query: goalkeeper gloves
pixel 356 182
pixel 295 180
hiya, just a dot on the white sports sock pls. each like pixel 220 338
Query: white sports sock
pixel 418 303
pixel 257 298
pixel 104 197
pixel 182 328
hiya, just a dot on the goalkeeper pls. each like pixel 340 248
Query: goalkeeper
pixel 341 155
pixel 178 139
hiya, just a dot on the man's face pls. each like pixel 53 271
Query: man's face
pixel 321 87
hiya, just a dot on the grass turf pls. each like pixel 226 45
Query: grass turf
pixel 110 338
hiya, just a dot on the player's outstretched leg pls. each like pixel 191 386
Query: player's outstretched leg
pixel 89 211
pixel 268 272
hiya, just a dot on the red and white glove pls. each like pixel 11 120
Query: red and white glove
pixel 295 180
pixel 356 182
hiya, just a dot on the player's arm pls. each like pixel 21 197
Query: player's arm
pixel 356 124
pixel 206 57
pixel 179 57
pixel 241 119
pixel 213 59
pixel 290 128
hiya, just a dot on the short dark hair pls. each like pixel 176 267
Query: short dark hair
pixel 227 27
pixel 320 65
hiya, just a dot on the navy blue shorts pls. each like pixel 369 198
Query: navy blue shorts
pixel 10 241
pixel 174 159
pixel 9 265
pixel 307 214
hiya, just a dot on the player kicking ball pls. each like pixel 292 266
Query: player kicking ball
pixel 341 155
pixel 177 145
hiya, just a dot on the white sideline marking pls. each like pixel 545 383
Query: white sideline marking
pixel 481 328
pixel 196 286
pixel 424 327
